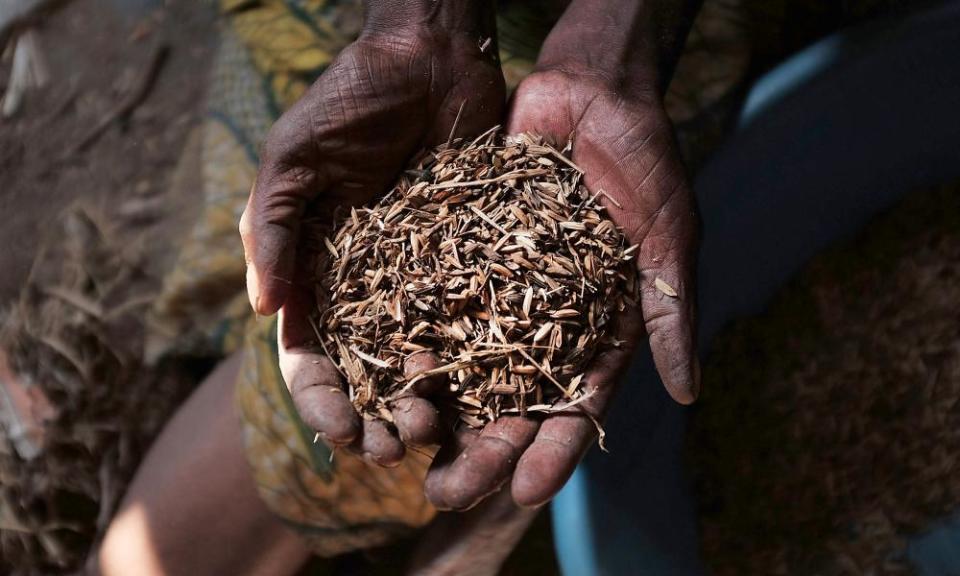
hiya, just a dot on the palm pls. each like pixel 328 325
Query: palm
pixel 625 147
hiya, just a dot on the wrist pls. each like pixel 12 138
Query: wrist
pixel 627 45
pixel 436 18
pixel 638 84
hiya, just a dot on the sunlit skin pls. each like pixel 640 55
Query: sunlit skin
pixel 131 541
pixel 197 511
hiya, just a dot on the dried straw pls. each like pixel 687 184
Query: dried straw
pixel 74 338
pixel 493 255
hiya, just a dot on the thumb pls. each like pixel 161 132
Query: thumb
pixel 667 263
pixel 269 227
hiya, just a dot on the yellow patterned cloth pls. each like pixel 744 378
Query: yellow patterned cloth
pixel 339 504
pixel 270 51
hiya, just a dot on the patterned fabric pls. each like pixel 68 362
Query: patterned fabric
pixel 337 502
pixel 270 52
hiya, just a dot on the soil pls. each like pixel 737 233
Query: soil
pixel 95 52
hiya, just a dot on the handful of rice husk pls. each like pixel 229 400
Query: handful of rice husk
pixel 491 254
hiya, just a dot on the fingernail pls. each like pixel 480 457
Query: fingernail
pixel 378 461
pixel 253 288
pixel 531 506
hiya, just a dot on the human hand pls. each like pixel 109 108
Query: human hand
pixel 397 89
pixel 623 141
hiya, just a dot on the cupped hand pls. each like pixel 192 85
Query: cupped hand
pixel 624 144
pixel 386 96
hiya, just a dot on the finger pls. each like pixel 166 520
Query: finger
pixel 487 463
pixel 380 444
pixel 313 380
pixel 669 323
pixel 550 460
pixel 565 437
pixel 656 211
pixel 666 264
pixel 287 179
pixel 420 362
pixel 417 421
pixel 321 403
pixel 442 462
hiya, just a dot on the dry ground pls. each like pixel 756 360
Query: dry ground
pixel 95 53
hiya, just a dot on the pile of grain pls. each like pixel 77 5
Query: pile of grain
pixel 493 255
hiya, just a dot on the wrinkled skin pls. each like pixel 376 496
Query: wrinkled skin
pixel 384 98
pixel 624 143
pixel 344 144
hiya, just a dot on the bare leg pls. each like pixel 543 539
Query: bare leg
pixel 192 507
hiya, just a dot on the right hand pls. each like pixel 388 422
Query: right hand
pixel 395 90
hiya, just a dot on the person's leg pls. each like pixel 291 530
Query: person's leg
pixel 874 121
pixel 192 507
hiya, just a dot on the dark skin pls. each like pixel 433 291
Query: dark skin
pixel 398 88
pixel 599 79
pixel 607 97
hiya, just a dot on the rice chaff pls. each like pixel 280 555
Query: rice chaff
pixel 491 254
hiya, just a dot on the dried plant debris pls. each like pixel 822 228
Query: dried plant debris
pixel 78 407
pixel 493 255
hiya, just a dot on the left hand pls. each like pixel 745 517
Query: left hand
pixel 399 87
pixel 624 143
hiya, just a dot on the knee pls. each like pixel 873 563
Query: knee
pixel 127 547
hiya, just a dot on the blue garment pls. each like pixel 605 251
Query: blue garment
pixel 828 139
pixel 936 552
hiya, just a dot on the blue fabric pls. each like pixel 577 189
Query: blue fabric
pixel 826 140
pixel 570 510
pixel 936 552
